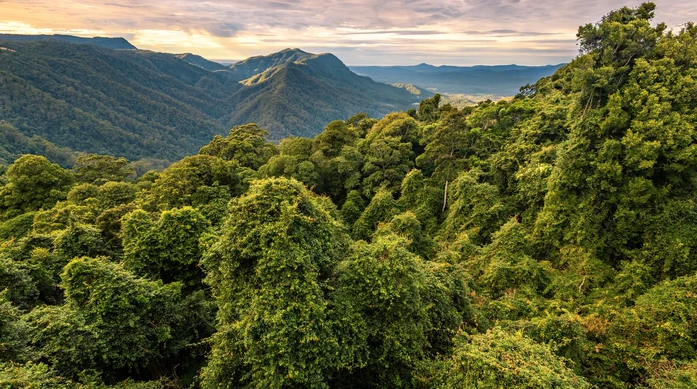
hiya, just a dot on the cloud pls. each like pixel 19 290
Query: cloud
pixel 223 30
pixel 394 32
pixel 509 33
pixel 381 31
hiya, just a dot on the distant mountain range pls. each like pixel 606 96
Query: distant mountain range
pixel 109 43
pixel 91 97
pixel 62 94
pixel 496 81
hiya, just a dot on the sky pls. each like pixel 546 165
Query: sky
pixel 360 32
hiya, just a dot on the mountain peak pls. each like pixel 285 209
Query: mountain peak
pixel 259 64
pixel 294 50
pixel 320 84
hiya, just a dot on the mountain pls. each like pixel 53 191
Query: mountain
pixel 304 91
pixel 129 103
pixel 257 65
pixel 496 81
pixel 109 43
pixel 144 104
pixel 201 62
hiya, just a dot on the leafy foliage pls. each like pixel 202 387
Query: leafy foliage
pixel 268 272
pixel 112 321
pixel 97 169
pixel 497 359
pixel 543 241
pixel 32 183
pixel 167 249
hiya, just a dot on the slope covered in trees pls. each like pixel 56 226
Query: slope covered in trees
pixel 542 242
pixel 123 102
pixel 295 92
pixel 141 104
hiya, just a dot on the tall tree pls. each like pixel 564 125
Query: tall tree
pixel 246 145
pixel 268 271
pixel 98 169
pixel 32 183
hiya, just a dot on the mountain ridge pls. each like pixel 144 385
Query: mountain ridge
pixel 199 61
pixel 258 64
pixel 116 43
pixel 144 104
pixel 494 80
pixel 300 82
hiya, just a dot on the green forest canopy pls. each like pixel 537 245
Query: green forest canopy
pixel 544 242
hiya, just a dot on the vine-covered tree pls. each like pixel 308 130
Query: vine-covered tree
pixel 32 183
pixel 269 272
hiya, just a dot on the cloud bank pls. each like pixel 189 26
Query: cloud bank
pixel 361 32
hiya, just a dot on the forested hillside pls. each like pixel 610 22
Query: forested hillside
pixel 288 92
pixel 544 242
pixel 142 104
pixel 128 103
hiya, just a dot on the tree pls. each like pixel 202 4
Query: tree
pixel 506 263
pixel 188 183
pixel 268 272
pixel 245 145
pixel 674 376
pixel 428 109
pixel 397 311
pixel 629 162
pixel 453 146
pixel 98 169
pixel 14 336
pixel 17 227
pixel 109 225
pixel 408 226
pixel 353 207
pixel 113 321
pixel 32 375
pixel 497 359
pixel 663 323
pixel 381 209
pixel 389 150
pixel 168 249
pixel 362 123
pixel 612 46
pixel 32 183
pixel 79 240
pixel 335 136
pixel 298 147
pixel 113 194
pixel 420 196
pixel 397 124
pixel 16 283
pixel 384 282
pixel 336 160
pixel 476 209
pixel 387 161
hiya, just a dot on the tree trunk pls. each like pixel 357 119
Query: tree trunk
pixel 445 198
